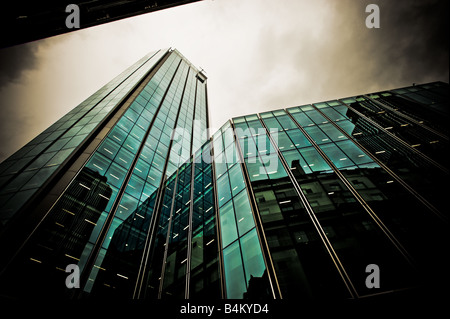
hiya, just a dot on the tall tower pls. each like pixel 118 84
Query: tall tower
pixel 63 195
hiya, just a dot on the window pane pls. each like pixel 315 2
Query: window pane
pixel 354 152
pixel 272 124
pixel 336 155
pixel 316 117
pixel 255 169
pixel 227 224
pixel 244 215
pixel 314 160
pixel 317 135
pixel 273 166
pixel 347 126
pixel 298 138
pixel 302 119
pixel 252 255
pixel 124 158
pixel 115 175
pixel 294 159
pixel 332 114
pixel 332 132
pixel 234 273
pixel 284 142
pixel 223 189
pixel 286 122
pixel 236 179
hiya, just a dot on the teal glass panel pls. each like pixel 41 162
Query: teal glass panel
pixel 248 147
pixel 272 124
pixel 234 272
pixel 333 133
pixel 315 162
pixel 227 224
pixel 332 114
pixel 115 175
pixel 316 117
pixel 302 119
pixel 220 164
pixel 347 126
pixel 286 122
pixel 223 189
pixel 218 144
pixel 236 179
pixel 99 163
pixel 109 148
pixel 242 130
pixel 228 135
pixel 255 169
pixel 284 142
pixel 244 216
pixel 338 158
pixel 298 138
pixel 135 186
pixel 295 160
pixel 124 158
pixel 255 125
pixel 307 107
pixel 354 152
pixel 317 134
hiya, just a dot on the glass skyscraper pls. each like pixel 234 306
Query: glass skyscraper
pixel 65 193
pixel 343 199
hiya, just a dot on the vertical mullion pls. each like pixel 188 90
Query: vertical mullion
pixel 166 246
pixel 189 235
pixel 218 228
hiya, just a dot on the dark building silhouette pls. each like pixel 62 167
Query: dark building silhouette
pixel 35 20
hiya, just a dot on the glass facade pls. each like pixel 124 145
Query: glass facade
pixel 105 160
pixel 291 204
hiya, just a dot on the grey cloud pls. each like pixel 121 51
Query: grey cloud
pixel 16 59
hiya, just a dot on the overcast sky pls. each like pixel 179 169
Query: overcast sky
pixel 258 55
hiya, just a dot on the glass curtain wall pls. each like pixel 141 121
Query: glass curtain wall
pixel 24 172
pixel 129 165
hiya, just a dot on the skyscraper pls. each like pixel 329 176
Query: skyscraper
pixel 65 192
pixel 336 200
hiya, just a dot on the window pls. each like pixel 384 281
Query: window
pixel 234 273
pixel 223 189
pixel 236 179
pixel 252 255
pixel 244 217
pixel 227 224
pixel 315 162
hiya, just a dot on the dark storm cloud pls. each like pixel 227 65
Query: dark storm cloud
pixel 335 55
pixel 13 118
pixel 16 59
pixel 412 40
